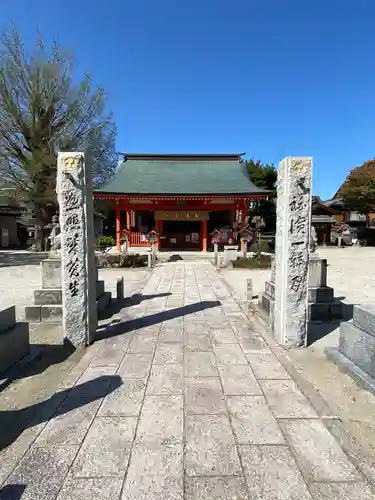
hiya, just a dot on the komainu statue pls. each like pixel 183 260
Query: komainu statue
pixel 313 242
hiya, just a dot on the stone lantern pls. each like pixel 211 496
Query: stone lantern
pixel 247 237
pixel 125 239
pixel 153 238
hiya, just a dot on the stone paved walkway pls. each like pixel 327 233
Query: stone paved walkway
pixel 182 399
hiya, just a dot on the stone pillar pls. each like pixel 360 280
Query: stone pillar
pixel 74 193
pixel 292 250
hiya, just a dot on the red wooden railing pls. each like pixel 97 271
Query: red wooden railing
pixel 138 240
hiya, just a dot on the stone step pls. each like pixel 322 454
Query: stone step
pixel 103 301
pixel 358 346
pixel 320 294
pixel 7 319
pixel 100 288
pixel 32 314
pixel 48 296
pixel 49 313
pixel 364 318
pixel 14 345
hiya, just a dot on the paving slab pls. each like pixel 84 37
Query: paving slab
pixel 68 426
pixel 143 343
pixel 253 343
pixel 210 447
pixel 155 472
pixel 223 335
pixel 272 474
pixel 91 489
pixel 125 400
pixel 218 488
pixel 43 471
pixel 106 449
pixel 286 400
pixel 161 420
pixel 229 354
pixel 252 421
pixel 200 364
pixel 239 380
pixel 166 379
pixel 168 354
pixel 198 341
pixel 204 396
pixel 109 355
pixel 266 366
pixel 136 365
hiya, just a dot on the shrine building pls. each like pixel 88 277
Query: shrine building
pixel 184 197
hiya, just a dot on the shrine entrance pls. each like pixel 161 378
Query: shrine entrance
pixel 181 235
pixel 182 229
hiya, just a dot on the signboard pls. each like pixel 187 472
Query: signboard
pixel 182 215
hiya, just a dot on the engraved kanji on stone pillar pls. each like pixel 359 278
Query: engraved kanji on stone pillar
pixel 292 250
pixel 74 193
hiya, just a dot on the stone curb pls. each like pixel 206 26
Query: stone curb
pixel 347 366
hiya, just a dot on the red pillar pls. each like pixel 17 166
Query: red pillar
pixel 245 208
pixel 128 222
pixel 204 235
pixel 159 229
pixel 118 229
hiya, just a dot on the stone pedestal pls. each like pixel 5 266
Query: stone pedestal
pixel 292 250
pixel 48 300
pixel 321 303
pixel 14 339
pixel 230 255
pixel 356 350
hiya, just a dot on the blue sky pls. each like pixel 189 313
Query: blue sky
pixel 272 78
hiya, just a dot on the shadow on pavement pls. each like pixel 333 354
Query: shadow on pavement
pixel 50 354
pixel 121 327
pixel 12 492
pixel 10 258
pixel 47 355
pixel 134 300
pixel 14 422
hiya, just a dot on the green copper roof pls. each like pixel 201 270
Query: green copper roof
pixel 181 174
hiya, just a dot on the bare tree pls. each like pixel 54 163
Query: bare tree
pixel 43 111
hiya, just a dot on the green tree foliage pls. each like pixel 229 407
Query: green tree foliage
pixel 358 190
pixel 43 111
pixel 264 176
